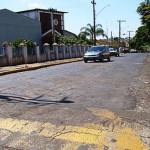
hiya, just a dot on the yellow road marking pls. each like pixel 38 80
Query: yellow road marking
pixel 125 138
pixel 75 136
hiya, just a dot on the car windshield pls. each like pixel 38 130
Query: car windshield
pixel 111 49
pixel 96 49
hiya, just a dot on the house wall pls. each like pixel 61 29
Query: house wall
pixel 31 14
pixel 59 26
pixel 45 19
pixel 14 26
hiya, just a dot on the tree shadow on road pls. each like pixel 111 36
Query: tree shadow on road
pixel 40 101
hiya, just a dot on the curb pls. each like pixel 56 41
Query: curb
pixel 39 67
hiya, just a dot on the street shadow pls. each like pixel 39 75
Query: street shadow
pixel 40 101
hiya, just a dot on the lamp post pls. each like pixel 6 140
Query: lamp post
pixel 94 18
pixel 102 9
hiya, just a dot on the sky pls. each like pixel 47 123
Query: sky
pixel 80 13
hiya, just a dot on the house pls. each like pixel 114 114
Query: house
pixel 15 26
pixel 46 18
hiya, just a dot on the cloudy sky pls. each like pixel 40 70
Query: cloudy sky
pixel 80 13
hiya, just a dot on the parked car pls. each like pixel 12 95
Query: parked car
pixel 97 53
pixel 133 51
pixel 114 52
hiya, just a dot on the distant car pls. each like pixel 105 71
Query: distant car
pixel 133 51
pixel 97 53
pixel 114 52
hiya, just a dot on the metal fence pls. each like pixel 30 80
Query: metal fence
pixel 31 50
pixel 16 51
pixel 60 49
pixel 42 50
pixel 2 51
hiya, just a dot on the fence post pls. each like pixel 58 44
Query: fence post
pixel 69 49
pixel 87 48
pixel 82 50
pixel 55 48
pixel 23 47
pixel 37 51
pixel 9 54
pixel 47 50
pixel 64 50
pixel 79 46
pixel 75 49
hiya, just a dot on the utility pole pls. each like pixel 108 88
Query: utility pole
pixel 120 28
pixel 147 2
pixel 93 2
pixel 53 27
pixel 129 38
pixel 111 38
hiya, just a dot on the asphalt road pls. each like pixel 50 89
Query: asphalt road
pixel 73 96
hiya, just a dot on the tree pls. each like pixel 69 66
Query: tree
pixel 89 31
pixel 144 11
pixel 116 39
pixel 140 40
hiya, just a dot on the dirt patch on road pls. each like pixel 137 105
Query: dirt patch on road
pixel 140 89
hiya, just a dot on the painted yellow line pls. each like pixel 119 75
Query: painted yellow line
pixel 123 138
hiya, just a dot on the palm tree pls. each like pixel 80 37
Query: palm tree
pixel 89 31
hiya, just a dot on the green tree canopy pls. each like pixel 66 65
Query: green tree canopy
pixel 144 11
pixel 140 39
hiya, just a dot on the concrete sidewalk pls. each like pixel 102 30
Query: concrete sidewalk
pixel 34 66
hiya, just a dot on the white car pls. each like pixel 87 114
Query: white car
pixel 114 52
pixel 133 51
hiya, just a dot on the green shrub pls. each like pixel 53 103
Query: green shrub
pixel 19 41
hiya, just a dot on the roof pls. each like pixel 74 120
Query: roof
pixel 7 11
pixel 38 9
pixel 70 33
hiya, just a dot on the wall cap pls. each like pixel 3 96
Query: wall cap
pixel 36 44
pixel 55 44
pixel 46 44
pixel 22 44
pixel 6 43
